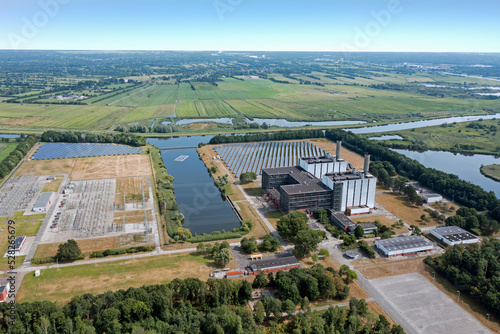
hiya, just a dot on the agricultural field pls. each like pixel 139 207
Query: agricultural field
pixel 477 136
pixel 6 149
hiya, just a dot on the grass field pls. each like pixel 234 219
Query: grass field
pixel 491 171
pixel 399 206
pixel 52 186
pixel 6 149
pixel 20 216
pixel 63 284
pixel 454 136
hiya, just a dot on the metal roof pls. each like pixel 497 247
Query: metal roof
pixel 454 233
pixel 18 241
pixel 343 219
pixel 43 200
pixel 273 263
pixel 402 243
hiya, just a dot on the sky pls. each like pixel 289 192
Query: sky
pixel 252 25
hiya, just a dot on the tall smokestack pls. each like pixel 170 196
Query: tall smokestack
pixel 367 164
pixel 339 146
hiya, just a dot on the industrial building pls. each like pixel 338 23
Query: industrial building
pixel 403 246
pixel 43 202
pixel 273 265
pixel 454 235
pixel 19 243
pixel 432 198
pixel 4 289
pixel 296 189
pixel 321 183
pixel 353 189
pixel 345 224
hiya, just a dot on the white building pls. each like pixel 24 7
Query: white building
pixel 43 202
pixel 352 189
pixel 432 198
pixel 402 246
pixel 319 166
pixel 454 235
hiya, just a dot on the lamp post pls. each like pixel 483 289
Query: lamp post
pixel 458 298
pixel 433 276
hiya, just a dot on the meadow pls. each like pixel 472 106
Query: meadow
pixel 332 98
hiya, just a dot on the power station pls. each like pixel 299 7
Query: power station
pixel 326 182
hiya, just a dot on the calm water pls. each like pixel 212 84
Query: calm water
pixel 465 167
pixel 419 124
pixel 198 198
pixel 386 137
pixel 273 122
pixel 9 136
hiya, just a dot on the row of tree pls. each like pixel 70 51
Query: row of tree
pixel 449 185
pixel 282 135
pixel 11 161
pixel 93 137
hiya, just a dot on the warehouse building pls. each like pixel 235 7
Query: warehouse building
pixel 273 265
pixel 454 235
pixel 43 202
pixel 19 243
pixel 403 246
pixel 432 198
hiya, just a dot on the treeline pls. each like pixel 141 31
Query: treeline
pixel 282 135
pixel 474 269
pixel 471 220
pixel 11 161
pixel 449 185
pixel 193 306
pixel 93 137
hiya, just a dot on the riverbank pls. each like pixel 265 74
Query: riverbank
pixel 491 171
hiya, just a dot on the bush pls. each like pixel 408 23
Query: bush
pixel 366 247
pixel 324 252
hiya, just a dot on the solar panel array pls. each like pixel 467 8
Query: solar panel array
pixel 79 150
pixel 253 157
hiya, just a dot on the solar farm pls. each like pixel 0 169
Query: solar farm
pixel 253 157
pixel 80 150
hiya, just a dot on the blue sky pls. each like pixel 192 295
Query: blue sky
pixel 271 25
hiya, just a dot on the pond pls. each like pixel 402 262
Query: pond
pixel 465 167
pixel 199 200
pixel 9 136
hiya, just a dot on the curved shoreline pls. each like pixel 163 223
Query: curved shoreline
pixel 494 178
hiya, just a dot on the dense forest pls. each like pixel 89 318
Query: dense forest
pixel 448 185
pixel 11 161
pixel 93 137
pixel 474 269
pixel 193 306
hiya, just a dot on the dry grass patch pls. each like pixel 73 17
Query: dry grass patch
pixel 111 167
pixel 376 309
pixel 247 212
pixel 61 285
pixel 132 217
pixel 273 217
pixel 86 245
pixel 52 186
pixel 253 189
pixel 399 206
pixel 46 167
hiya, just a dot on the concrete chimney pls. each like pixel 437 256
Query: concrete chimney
pixel 339 146
pixel 367 164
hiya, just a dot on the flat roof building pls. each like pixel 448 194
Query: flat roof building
pixel 272 265
pixel 403 246
pixel 454 235
pixel 298 189
pixel 341 221
pixel 432 198
pixel 368 228
pixel 43 202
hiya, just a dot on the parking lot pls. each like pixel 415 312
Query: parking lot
pixel 423 308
